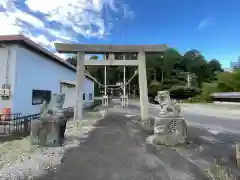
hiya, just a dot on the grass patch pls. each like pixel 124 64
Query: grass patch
pixel 220 173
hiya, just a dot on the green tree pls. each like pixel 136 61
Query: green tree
pixel 215 66
pixel 72 60
pixel 183 92
pixel 195 63
pixel 167 71
pixel 207 90
pixel 229 81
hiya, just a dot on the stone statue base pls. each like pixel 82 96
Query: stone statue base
pixel 170 131
pixel 44 133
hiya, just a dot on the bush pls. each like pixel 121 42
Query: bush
pixel 183 92
pixel 207 90
pixel 153 88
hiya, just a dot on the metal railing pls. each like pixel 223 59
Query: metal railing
pixel 14 124
pixel 17 124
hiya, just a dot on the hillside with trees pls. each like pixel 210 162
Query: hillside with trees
pixel 183 75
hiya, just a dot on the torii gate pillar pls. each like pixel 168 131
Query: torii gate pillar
pixel 142 75
pixel 78 110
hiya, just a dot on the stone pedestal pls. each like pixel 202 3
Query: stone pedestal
pixel 124 101
pixel 44 132
pixel 105 101
pixel 170 131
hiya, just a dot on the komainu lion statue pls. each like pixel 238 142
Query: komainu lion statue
pixel 169 127
pixel 46 130
pixel 167 106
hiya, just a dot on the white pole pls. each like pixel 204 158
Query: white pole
pixel 124 81
pixel 188 80
pixel 105 84
pixel 134 91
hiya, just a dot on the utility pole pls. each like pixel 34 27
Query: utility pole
pixel 189 78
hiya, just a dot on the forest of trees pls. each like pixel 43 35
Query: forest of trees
pixel 188 75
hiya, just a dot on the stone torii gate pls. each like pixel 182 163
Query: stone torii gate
pixel 82 49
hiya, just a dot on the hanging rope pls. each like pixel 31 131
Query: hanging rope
pixel 133 76
pixel 102 85
pixel 93 78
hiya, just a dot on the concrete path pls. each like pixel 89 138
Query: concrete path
pixel 117 149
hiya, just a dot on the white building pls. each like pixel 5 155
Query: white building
pixel 32 73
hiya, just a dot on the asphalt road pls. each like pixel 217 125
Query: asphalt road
pixel 204 120
pixel 222 124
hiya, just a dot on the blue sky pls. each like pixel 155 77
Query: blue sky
pixel 210 26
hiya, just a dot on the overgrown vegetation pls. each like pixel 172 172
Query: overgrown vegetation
pixel 185 76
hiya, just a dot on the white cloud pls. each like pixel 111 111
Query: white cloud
pixel 127 12
pixel 83 17
pixel 9 24
pixel 42 40
pixel 7 4
pixel 206 22
pixel 61 34
pixel 27 18
pixel 63 56
pixel 46 21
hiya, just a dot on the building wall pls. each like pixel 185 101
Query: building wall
pixel 71 91
pixel 35 71
pixel 7 71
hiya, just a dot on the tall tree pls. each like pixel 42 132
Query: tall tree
pixel 196 63
pixel 215 65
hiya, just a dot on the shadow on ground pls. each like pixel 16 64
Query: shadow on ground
pixel 11 137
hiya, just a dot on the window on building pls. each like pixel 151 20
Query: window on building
pixel 90 96
pixel 38 96
pixel 84 96
pixel 64 87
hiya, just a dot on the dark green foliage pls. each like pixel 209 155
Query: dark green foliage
pixel 183 92
pixel 167 71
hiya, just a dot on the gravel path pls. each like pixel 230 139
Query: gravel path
pixel 117 149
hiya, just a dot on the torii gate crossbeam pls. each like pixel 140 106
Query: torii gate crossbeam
pixel 82 49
